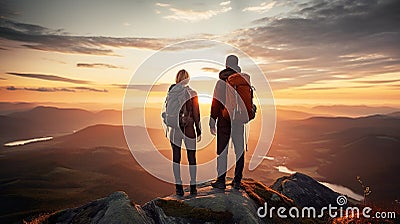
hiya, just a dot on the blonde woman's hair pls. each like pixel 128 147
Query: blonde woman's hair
pixel 182 75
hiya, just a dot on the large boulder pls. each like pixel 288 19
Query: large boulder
pixel 210 205
pixel 305 191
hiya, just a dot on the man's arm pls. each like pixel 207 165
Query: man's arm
pixel 216 105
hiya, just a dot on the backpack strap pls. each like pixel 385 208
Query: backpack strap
pixel 245 135
pixel 165 106
pixel 237 103
pixel 188 101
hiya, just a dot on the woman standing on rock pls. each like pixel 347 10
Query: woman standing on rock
pixel 182 115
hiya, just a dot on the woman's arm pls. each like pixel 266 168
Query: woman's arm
pixel 196 114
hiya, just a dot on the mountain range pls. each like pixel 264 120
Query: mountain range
pixel 88 157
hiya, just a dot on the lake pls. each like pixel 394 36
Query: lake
pixel 27 141
pixel 335 187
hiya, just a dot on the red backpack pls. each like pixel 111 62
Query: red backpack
pixel 241 109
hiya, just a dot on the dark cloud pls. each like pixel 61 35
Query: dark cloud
pixel 91 89
pixel 208 69
pixel 44 89
pixel 62 89
pixel 40 89
pixel 41 38
pixel 49 77
pixel 71 49
pixel 97 65
pixel 144 87
pixel 322 40
pixel 27 28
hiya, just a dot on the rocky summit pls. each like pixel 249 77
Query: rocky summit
pixel 208 206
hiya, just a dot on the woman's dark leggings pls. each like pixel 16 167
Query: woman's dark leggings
pixel 176 138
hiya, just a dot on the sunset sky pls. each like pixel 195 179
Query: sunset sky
pixel 83 53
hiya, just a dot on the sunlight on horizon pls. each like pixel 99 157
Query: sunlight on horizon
pixel 205 99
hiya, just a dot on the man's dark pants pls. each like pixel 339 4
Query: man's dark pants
pixel 225 131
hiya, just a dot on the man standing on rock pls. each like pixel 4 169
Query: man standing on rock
pixel 225 129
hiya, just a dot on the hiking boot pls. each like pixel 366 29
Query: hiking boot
pixel 193 190
pixel 236 185
pixel 218 184
pixel 179 190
